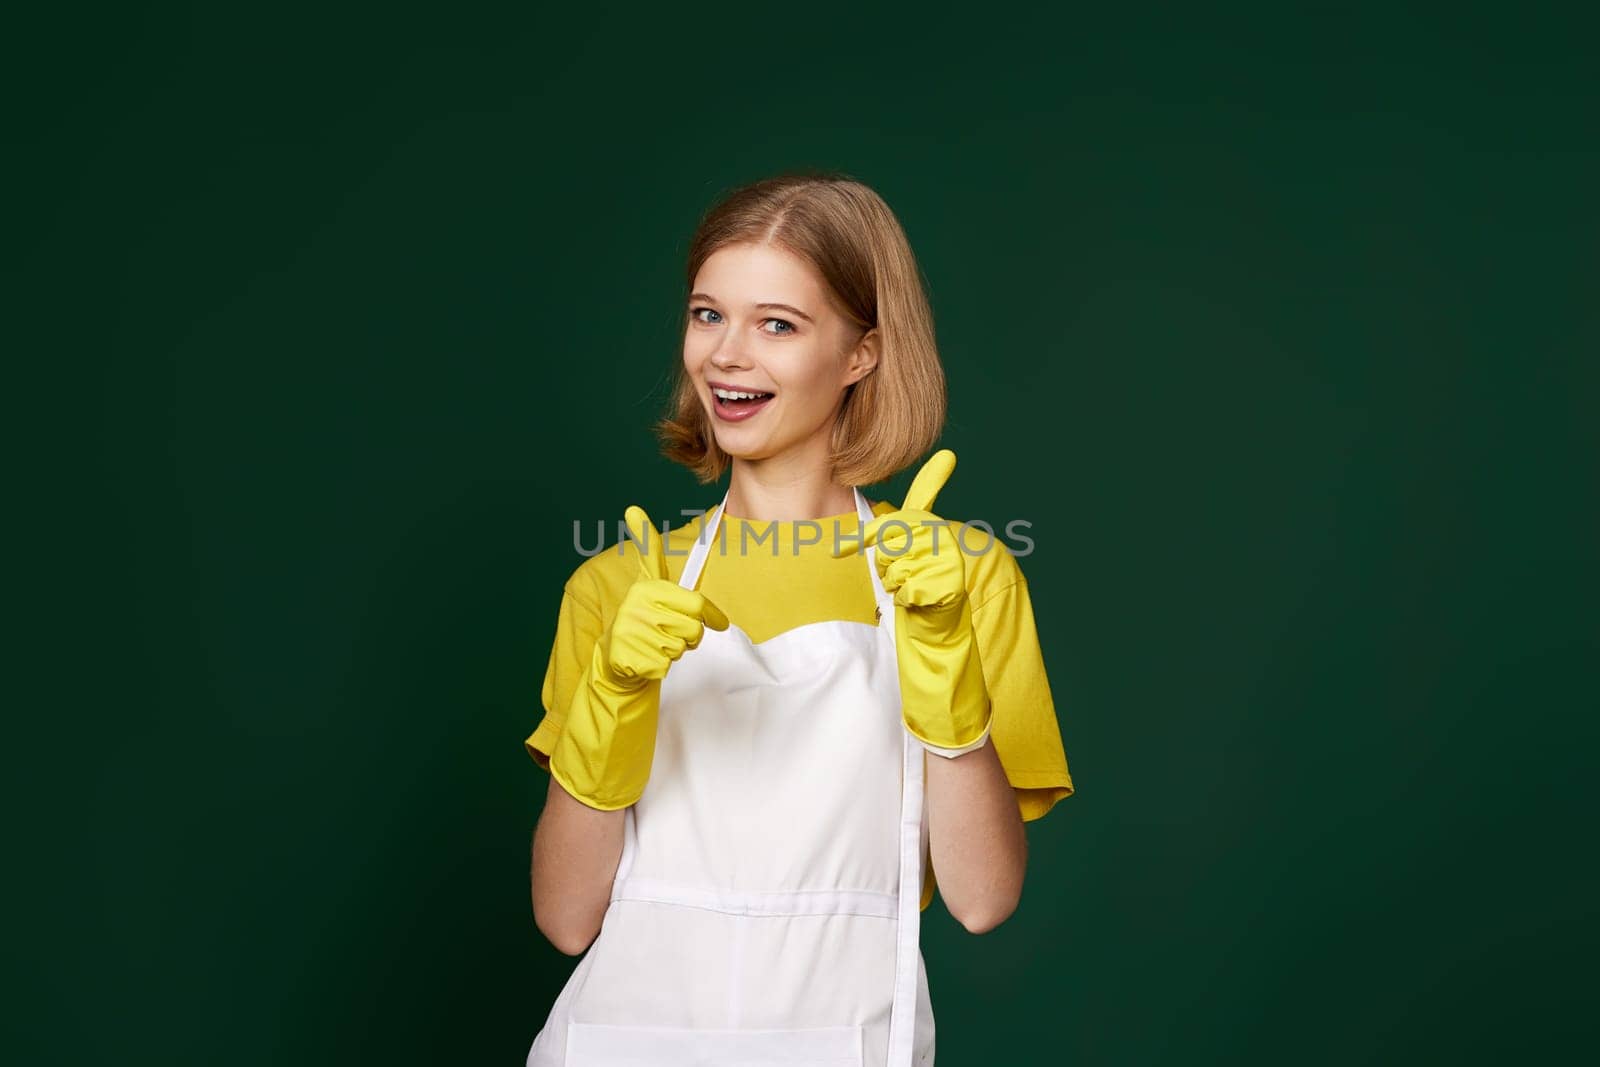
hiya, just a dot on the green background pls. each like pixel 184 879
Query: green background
pixel 1279 328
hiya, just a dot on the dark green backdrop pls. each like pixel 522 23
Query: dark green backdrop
pixel 1280 330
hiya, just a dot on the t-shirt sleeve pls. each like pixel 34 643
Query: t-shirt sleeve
pixel 578 627
pixel 1025 732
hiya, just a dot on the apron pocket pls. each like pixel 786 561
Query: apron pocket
pixel 601 1045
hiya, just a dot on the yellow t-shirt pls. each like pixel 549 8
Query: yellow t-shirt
pixel 768 579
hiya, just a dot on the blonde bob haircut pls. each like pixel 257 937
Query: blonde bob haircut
pixel 847 233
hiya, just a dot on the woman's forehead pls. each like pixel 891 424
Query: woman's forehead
pixel 753 274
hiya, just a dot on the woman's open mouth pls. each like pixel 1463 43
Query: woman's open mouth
pixel 734 405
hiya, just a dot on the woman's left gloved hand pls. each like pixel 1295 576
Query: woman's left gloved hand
pixel 943 696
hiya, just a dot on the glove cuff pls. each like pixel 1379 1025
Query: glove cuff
pixel 603 755
pixel 942 688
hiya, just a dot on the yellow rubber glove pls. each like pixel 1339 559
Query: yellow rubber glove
pixel 608 742
pixel 943 696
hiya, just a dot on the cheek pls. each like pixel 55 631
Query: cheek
pixel 814 381
pixel 695 352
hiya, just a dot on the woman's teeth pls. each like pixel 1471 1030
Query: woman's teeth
pixel 736 404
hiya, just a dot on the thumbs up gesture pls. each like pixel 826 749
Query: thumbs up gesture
pixel 607 743
pixel 658 619
pixel 944 699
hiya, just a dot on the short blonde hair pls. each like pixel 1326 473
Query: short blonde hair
pixel 847 233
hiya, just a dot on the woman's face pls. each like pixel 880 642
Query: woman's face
pixel 760 321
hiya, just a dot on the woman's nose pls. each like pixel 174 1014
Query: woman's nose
pixel 728 355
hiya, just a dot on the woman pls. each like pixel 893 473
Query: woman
pixel 740 844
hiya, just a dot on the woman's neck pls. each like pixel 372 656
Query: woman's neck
pixel 763 492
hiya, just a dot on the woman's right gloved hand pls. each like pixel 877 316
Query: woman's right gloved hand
pixel 608 741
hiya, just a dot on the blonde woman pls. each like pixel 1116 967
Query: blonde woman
pixel 770 729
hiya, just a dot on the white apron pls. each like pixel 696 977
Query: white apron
pixel 765 908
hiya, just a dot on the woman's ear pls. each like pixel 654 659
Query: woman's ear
pixel 864 357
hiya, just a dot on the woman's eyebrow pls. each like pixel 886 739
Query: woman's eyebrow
pixel 786 307
pixel 764 306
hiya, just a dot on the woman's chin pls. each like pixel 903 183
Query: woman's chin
pixel 743 446
pixel 741 449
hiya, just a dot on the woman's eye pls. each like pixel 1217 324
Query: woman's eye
pixel 698 315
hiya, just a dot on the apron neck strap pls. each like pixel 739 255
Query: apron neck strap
pixel 885 600
pixel 710 521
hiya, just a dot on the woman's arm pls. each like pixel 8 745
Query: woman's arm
pixel 975 837
pixel 976 840
pixel 576 850
pixel 600 761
